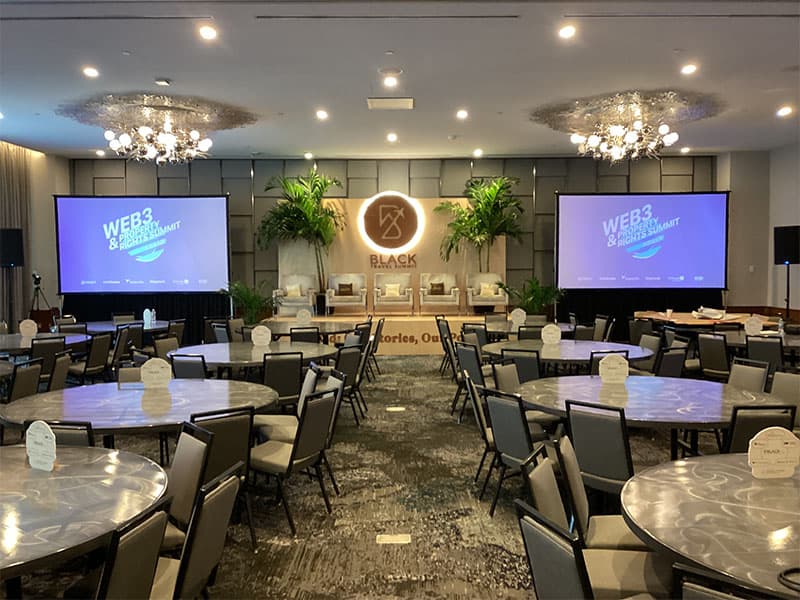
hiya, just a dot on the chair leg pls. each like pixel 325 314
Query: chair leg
pixel 375 362
pixel 355 414
pixel 330 472
pixel 488 476
pixel 322 487
pixel 361 398
pixel 463 408
pixel 499 485
pixel 249 510
pixel 459 389
pixel 354 397
pixel 480 464
pixel 285 503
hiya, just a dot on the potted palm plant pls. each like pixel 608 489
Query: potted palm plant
pixel 249 303
pixel 492 212
pixel 534 298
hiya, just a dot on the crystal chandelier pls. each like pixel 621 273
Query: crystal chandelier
pixel 162 145
pixel 626 125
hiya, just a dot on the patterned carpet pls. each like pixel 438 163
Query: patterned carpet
pixel 408 472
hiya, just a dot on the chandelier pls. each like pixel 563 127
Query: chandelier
pixel 626 125
pixel 163 129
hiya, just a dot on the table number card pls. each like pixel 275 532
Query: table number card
pixel 551 334
pixel 40 444
pixel 614 369
pixel 156 373
pixel 753 326
pixel 518 317
pixel 261 335
pixel 28 328
pixel 303 316
pixel 773 453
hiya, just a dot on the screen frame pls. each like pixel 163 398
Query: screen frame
pixel 226 196
pixel 727 194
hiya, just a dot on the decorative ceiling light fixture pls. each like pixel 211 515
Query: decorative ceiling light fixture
pixel 390 76
pixel 164 129
pixel 627 125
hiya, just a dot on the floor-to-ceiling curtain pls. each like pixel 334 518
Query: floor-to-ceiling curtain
pixel 15 199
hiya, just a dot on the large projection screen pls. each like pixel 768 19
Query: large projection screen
pixel 631 241
pixel 110 244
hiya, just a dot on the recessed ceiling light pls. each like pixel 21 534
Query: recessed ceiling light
pixel 685 150
pixel 567 32
pixel 207 32
pixel 163 82
pixel 784 111
pixel 391 137
pixel 91 72
pixel 390 81
pixel 689 69
pixel 461 114
pixel 308 156
pixel 100 152
pixel 126 53
pixel 477 153
pixel 322 114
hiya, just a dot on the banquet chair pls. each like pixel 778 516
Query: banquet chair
pixel 64 320
pixel 129 374
pixel 283 427
pixel 443 328
pixel 189 576
pixel 136 334
pixel 670 362
pixel 221 335
pixel 506 379
pixel 164 345
pixel 235 327
pixel 786 386
pixel 188 366
pixel 651 342
pixel 373 351
pixel 468 359
pixel 304 334
pixel 596 357
pixel 749 375
pixel 348 362
pixel 637 327
pixel 283 372
pixel 120 350
pixel 584 332
pixel 209 336
pixel 726 326
pixel 713 351
pixel 281 459
pixel 77 329
pixel 768 349
pixel 24 382
pixel 480 331
pixel 58 378
pixel 336 383
pixel 693 583
pixel 95 363
pixel 600 327
pixel 46 349
pixel 69 433
pixel 599 435
pixel 530 332
pixel 529 367
pixel 361 375
pixel 176 329
pixel 484 427
pixel 122 318
pixel 747 421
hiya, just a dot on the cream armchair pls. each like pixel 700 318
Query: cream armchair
pixel 293 293
pixel 393 289
pixel 358 296
pixel 429 294
pixel 482 290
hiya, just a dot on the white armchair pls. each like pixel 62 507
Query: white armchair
pixel 482 290
pixel 430 285
pixel 393 289
pixel 293 293
pixel 338 282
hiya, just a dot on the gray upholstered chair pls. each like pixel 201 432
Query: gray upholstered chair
pixel 768 349
pixel 786 387
pixel 437 291
pixel 188 366
pixel 281 374
pixel 129 374
pixel 164 345
pixel 750 375
pixel 506 379
pixel 339 284
pixel 393 290
pixel 652 342
pixel 96 360
pixel 482 290
pixel 46 349
pixel 670 362
pixel 484 428
pixel 747 421
pixel 122 318
pixel 295 292
pixel 713 351
pixel 176 329
pixel 528 364
pixel 58 378
pixel 121 350
pixel 601 323
pixel 596 357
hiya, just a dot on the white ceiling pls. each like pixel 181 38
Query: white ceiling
pixel 498 59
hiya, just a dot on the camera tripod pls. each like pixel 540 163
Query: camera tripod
pixel 37 295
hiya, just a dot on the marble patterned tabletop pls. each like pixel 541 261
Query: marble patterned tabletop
pixel 510 327
pixel 14 343
pixel 281 328
pixel 567 351
pixel 111 327
pixel 113 409
pixel 648 401
pixel 712 512
pixel 245 354
pixel 48 517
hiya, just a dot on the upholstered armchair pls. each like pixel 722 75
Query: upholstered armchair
pixel 293 293
pixel 347 289
pixel 482 290
pixel 393 289
pixel 438 290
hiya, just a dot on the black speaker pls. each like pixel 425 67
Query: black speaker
pixel 787 245
pixel 11 253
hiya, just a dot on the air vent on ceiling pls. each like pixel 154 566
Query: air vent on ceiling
pixel 390 103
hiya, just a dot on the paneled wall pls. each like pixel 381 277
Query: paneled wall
pixel 539 179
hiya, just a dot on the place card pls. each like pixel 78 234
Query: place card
pixel 261 335
pixel 773 453
pixel 40 444
pixel 28 328
pixel 303 316
pixel 551 334
pixel 614 369
pixel 156 373
pixel 518 317
pixel 753 326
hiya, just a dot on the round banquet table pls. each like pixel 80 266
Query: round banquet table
pixel 52 516
pixel 710 511
pixel 493 328
pixel 95 327
pixel 14 343
pixel 326 328
pixel 112 408
pixel 567 352
pixel 245 354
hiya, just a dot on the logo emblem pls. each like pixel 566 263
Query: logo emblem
pixel 391 222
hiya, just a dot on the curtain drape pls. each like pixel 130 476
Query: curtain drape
pixel 15 200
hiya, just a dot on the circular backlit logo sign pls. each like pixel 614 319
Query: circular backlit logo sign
pixel 391 222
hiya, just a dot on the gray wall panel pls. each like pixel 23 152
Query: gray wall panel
pixel 241 232
pixel 612 183
pixel 237 168
pixel 294 167
pixel 205 177
pixel 522 169
pixel 83 177
pixel 645 176
pixel 517 277
pixel 242 268
pixel 487 167
pixel 168 186
pixel 546 188
pixel 676 183
pixel 263 171
pixel 362 169
pixel 173 170
pixel 544 267
pixel 544 235
pixel 425 168
pixel 528 215
pixel 455 173
pixel 551 167
pixel 109 187
pixel 519 253
pixel 109 168
pixel 393 175
pixel 241 192
pixel 581 175
pixel 425 187
pixel 618 168
pixel 703 174
pixel 677 165
pixel 140 178
pixel 362 188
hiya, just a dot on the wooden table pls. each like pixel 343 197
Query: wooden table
pixel 567 352
pixel 95 327
pixel 738 339
pixel 49 517
pixel 245 354
pixel 710 511
pixel 14 343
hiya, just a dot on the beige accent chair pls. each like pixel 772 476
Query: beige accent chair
pixel 286 304
pixel 383 284
pixel 474 296
pixel 359 297
pixel 451 296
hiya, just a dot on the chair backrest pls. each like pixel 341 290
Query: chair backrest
pixel 120 344
pixel 509 426
pixel 610 329
pixel 471 337
pixel 573 319
pixel 747 421
pixel 479 329
pixel 766 349
pixel 164 345
pixel 577 499
pixel 352 339
pixel 363 363
pixel 64 320
pixel 600 437
pixel 304 334
pixel 750 375
pixel 122 318
pixel 478 407
pixel 364 330
pixel 596 357
pixel 221 335
pixel 136 334
pixel 188 470
pixel 554 557
pixel 70 433
pixel 448 279
pixel 335 382
pixel 232 429
pixel 312 427
pixel 693 583
pixel 129 374
pixel 651 342
pixel 283 372
pixel 209 336
pixel 132 555
pixel 25 379
pixel 450 350
pixel 188 366
pixel 600 326
pixel 506 378
pixel 376 337
pixel 530 332
pixel 72 328
pixel 99 346
pixel 500 319
pixel 205 537
pixel 235 327
pixel 786 387
pixel 309 384
pixel 584 332
pixel 46 349
pixel 713 351
pixel 469 360
pixel 543 488
pixel 528 365
pixel 670 362
pixel 58 377
pixel 176 329
pixel 474 280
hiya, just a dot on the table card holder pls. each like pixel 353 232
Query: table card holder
pixel 773 453
pixel 156 373
pixel 261 335
pixel 551 334
pixel 518 317
pixel 147 317
pixel 303 316
pixel 28 328
pixel 613 369
pixel 40 444
pixel 753 326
